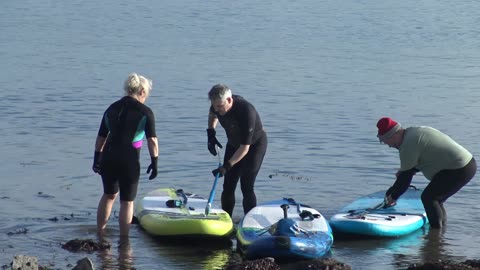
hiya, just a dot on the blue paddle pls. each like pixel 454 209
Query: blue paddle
pixel 212 192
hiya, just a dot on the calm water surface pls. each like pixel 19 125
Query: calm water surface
pixel 321 73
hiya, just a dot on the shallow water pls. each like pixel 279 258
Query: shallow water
pixel 320 74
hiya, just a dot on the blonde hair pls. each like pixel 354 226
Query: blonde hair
pixel 135 83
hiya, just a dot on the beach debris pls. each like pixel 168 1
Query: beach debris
pixel 19 231
pixel 54 219
pixel 270 264
pixel 445 264
pixel 87 245
pixel 45 196
pixel 290 176
pixel 320 264
pixel 261 264
pixel 65 218
pixel 25 262
pixel 33 162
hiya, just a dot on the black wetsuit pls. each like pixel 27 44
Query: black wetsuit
pixel 443 185
pixel 441 188
pixel 243 126
pixel 125 123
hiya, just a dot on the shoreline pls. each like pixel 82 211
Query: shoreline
pixel 236 262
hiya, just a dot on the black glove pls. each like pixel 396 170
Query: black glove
pixel 153 167
pixel 212 141
pixel 222 170
pixel 97 158
pixel 389 191
pixel 389 201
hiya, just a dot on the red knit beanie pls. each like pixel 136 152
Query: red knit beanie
pixel 387 127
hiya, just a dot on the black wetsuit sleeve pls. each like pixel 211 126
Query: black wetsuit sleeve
pixel 248 124
pixel 103 130
pixel 402 183
pixel 150 125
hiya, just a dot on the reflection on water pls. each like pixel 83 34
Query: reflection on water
pixel 217 259
pixel 195 253
pixel 433 248
pixel 175 252
pixel 437 246
pixel 380 252
pixel 125 259
pixel 119 256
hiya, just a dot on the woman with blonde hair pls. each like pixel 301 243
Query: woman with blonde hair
pixel 117 150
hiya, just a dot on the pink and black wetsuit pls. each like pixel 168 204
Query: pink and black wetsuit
pixel 125 123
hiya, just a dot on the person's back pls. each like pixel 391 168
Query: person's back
pixel 127 122
pixel 431 151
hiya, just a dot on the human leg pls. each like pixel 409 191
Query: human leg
pixel 229 183
pixel 128 192
pixel 125 217
pixel 104 210
pixel 432 205
pixel 128 184
pixel 247 182
pixel 443 186
pixel 110 192
pixel 250 168
pixel 228 194
pixel 444 214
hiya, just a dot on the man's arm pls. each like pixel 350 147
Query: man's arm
pixel 212 120
pixel 239 154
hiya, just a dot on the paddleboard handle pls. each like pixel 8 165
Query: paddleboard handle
pixel 285 209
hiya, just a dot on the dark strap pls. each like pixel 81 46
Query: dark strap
pixel 304 214
pixel 185 198
pixel 293 202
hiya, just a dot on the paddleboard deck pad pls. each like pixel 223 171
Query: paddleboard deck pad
pixel 265 231
pixel 172 212
pixel 364 217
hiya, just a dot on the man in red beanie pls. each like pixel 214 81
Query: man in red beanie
pixel 446 164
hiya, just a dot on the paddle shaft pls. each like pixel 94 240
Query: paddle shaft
pixel 368 210
pixel 214 186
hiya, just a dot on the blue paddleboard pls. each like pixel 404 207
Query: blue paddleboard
pixel 366 216
pixel 265 231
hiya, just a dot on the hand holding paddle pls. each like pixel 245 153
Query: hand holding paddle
pixel 389 201
pixel 222 170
